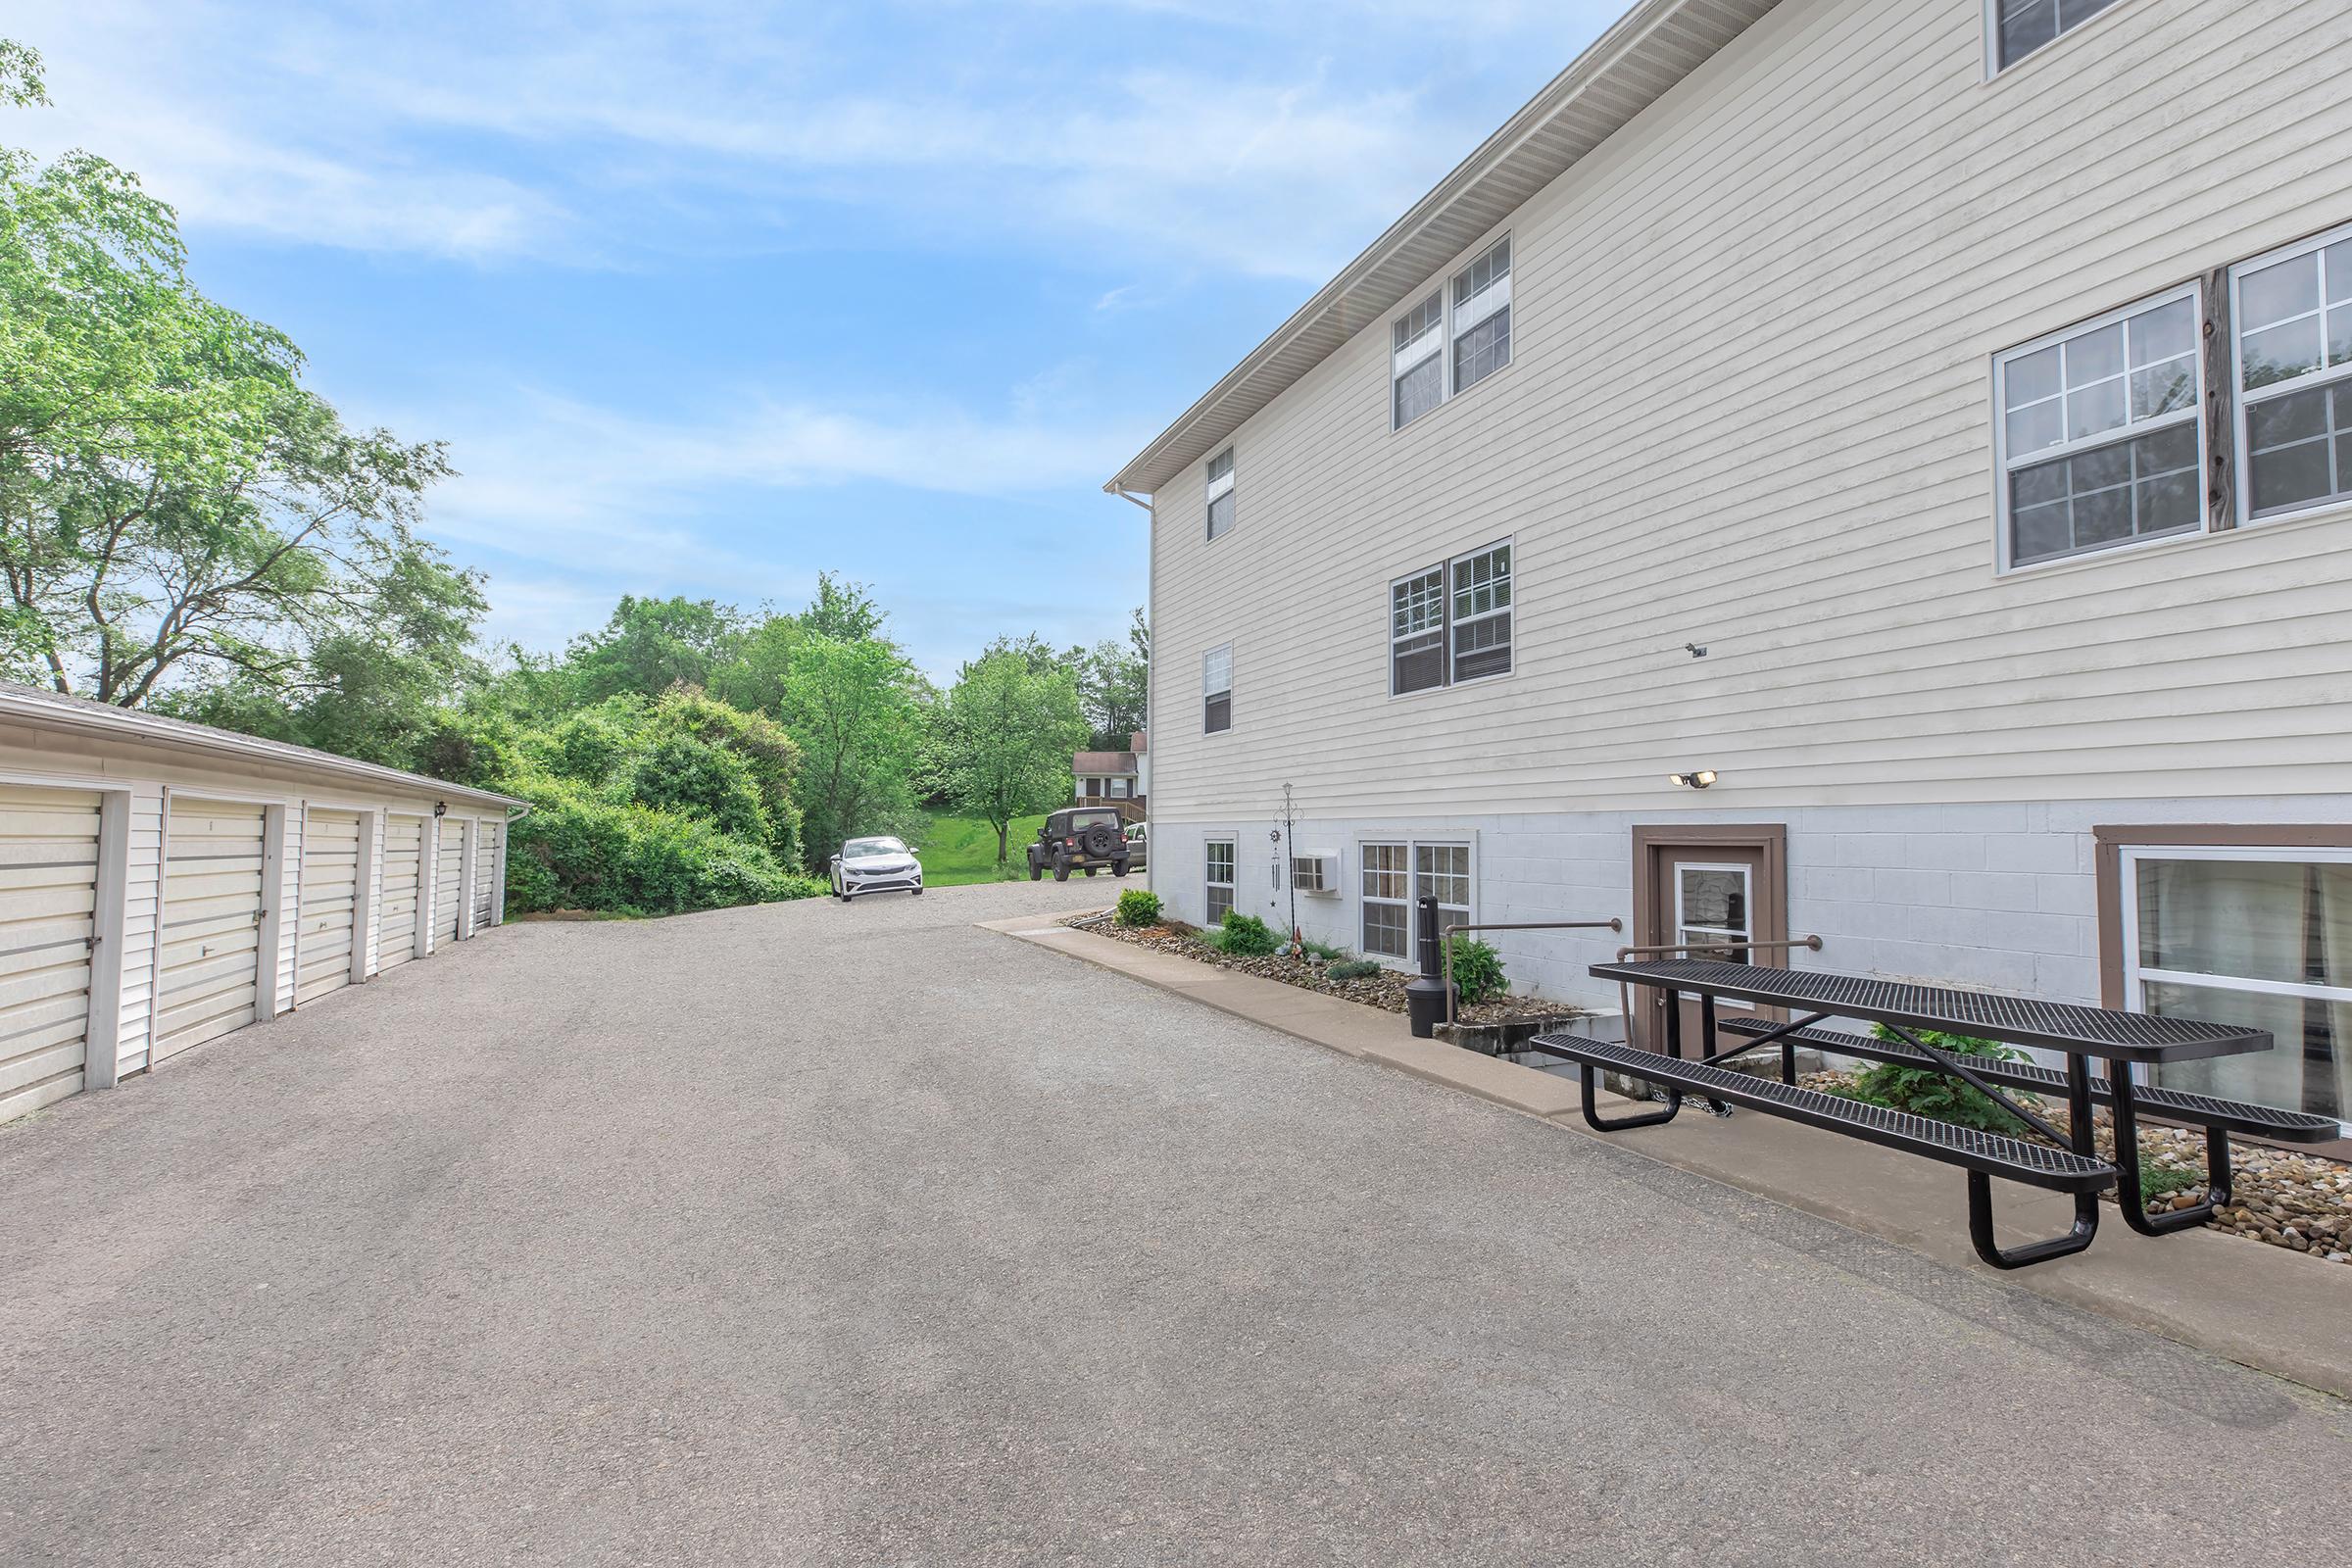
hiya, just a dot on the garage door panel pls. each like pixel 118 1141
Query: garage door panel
pixel 404 849
pixel 450 884
pixel 213 904
pixel 48 904
pixel 330 890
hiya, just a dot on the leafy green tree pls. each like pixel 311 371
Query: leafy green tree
pixel 754 679
pixel 174 506
pixel 854 709
pixel 1006 731
pixel 1114 684
pixel 682 776
pixel 650 645
pixel 842 610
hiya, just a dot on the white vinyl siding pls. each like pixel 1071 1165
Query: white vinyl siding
pixel 1216 690
pixel 2021 27
pixel 1451 623
pixel 1806 233
pixel 1219 879
pixel 2293 314
pixel 1385 896
pixel 2101 433
pixel 1222 496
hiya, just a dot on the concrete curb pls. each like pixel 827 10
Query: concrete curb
pixel 2261 1306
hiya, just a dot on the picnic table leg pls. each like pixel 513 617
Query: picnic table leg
pixel 2128 1195
pixel 2084 1138
pixel 1674 1093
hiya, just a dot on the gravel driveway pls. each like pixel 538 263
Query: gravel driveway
pixel 811 1235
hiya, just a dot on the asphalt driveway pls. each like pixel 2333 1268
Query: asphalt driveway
pixel 811 1235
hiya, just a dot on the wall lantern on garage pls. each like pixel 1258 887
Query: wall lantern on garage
pixel 440 808
pixel 1701 780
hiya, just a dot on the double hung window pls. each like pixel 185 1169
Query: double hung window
pixel 1221 496
pixel 1216 690
pixel 2294 372
pixel 1453 338
pixel 1219 879
pixel 1451 623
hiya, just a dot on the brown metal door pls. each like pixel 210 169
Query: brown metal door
pixel 1710 892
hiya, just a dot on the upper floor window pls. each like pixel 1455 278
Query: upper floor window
pixel 1216 690
pixel 2101 433
pixel 1454 339
pixel 1481 316
pixel 1452 622
pixel 2294 310
pixel 2021 27
pixel 1220 494
pixel 1418 370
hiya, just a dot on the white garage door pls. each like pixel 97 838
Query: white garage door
pixel 485 874
pixel 48 908
pixel 448 883
pixel 212 931
pixel 330 901
pixel 404 865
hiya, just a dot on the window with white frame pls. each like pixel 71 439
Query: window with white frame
pixel 1417 371
pixel 2021 27
pixel 2101 433
pixel 1443 870
pixel 1216 690
pixel 1451 623
pixel 1220 494
pixel 1452 339
pixel 2294 310
pixel 1481 316
pixel 1219 879
pixel 1386 900
pixel 2256 936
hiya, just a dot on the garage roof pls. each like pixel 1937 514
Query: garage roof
pixel 46 709
pixel 1651 48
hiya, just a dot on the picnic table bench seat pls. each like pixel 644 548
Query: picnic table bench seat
pixel 1992 1154
pixel 2163 1104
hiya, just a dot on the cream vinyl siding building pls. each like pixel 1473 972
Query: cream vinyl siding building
pixel 1784 486
pixel 164 885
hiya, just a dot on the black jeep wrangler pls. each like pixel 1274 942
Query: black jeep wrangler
pixel 1082 837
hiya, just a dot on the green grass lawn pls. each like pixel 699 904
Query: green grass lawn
pixel 960 850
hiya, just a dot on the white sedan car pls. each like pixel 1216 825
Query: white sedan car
pixel 875 865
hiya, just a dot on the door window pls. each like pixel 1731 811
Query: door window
pixel 1711 905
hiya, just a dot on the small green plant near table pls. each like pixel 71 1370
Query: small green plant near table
pixel 2159 1179
pixel 1244 936
pixel 1138 907
pixel 1926 1092
pixel 1309 949
pixel 1352 970
pixel 1478 972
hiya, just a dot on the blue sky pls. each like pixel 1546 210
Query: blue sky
pixel 707 297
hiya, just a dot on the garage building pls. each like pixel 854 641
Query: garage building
pixel 165 884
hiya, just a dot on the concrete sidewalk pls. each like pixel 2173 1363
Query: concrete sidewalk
pixel 2262 1306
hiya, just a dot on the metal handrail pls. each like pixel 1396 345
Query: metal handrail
pixel 1446 939
pixel 1625 990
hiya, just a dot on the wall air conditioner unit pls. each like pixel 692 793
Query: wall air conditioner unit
pixel 1315 871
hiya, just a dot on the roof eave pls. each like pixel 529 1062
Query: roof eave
pixel 1642 56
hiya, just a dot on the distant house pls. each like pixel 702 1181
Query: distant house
pixel 1866 467
pixel 1114 779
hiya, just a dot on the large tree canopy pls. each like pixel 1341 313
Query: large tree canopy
pixel 1007 734
pixel 175 507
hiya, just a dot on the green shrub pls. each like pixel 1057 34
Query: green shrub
pixel 592 746
pixel 1353 969
pixel 1245 936
pixel 1925 1092
pixel 1138 907
pixel 2159 1179
pixel 1478 971
pixel 1318 949
pixel 680 774
pixel 576 851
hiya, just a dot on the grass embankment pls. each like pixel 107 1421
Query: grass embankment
pixel 962 849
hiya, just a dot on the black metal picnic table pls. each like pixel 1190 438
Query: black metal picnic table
pixel 1904 1010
